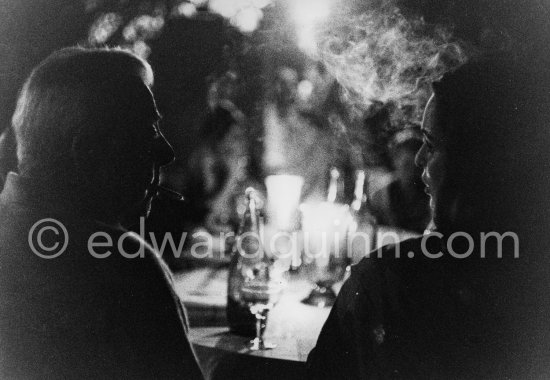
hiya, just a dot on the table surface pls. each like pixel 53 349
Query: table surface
pixel 292 325
pixel 290 348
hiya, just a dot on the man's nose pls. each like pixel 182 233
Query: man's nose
pixel 162 151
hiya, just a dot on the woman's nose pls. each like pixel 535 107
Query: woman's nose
pixel 420 158
pixel 162 152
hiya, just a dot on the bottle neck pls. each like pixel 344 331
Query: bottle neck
pixel 335 192
pixel 359 196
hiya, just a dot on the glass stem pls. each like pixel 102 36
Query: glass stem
pixel 259 318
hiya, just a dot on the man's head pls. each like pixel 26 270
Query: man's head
pixel 86 122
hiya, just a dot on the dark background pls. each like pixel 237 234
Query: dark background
pixel 31 29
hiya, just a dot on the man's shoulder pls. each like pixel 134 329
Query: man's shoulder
pixel 93 244
pixel 127 249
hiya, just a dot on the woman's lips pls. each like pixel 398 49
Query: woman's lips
pixel 425 182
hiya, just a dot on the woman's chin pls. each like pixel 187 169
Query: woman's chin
pixel 432 204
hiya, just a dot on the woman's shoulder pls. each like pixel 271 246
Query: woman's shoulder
pixel 393 265
pixel 390 257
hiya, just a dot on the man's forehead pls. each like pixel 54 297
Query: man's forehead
pixel 145 103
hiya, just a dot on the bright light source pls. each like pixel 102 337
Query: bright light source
pixel 247 20
pixel 306 39
pixel 324 226
pixel 307 12
pixel 283 197
pixel 225 8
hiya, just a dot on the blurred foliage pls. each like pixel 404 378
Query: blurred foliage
pixel 125 23
pixel 132 24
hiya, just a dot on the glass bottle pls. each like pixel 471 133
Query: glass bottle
pixel 326 227
pixel 245 255
pixel 335 192
pixel 366 221
pixel 359 196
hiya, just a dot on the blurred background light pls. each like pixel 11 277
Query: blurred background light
pixel 142 49
pixel 225 8
pixel 260 4
pixel 245 15
pixel 305 90
pixel 104 27
pixel 91 5
pixel 248 19
pixel 283 198
pixel 308 12
pixel 186 10
pixel 130 33
pixel 306 39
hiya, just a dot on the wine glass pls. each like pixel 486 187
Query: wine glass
pixel 326 227
pixel 261 291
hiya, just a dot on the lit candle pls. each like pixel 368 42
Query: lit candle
pixel 325 227
pixel 283 198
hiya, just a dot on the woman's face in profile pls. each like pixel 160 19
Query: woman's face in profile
pixel 431 158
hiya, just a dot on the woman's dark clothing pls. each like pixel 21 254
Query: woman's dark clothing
pixel 422 318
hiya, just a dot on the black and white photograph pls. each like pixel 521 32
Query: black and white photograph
pixel 275 189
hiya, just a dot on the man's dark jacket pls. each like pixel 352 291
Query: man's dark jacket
pixel 77 316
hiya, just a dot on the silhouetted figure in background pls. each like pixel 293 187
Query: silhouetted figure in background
pixel 299 140
pixel 218 169
pixel 89 152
